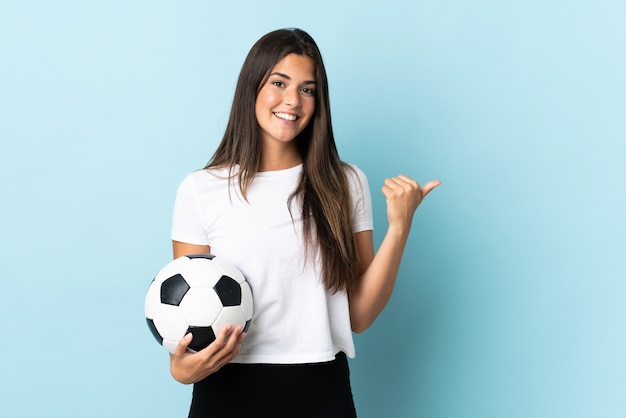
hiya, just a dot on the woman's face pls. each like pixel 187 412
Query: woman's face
pixel 286 102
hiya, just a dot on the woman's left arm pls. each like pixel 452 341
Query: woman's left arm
pixel 379 270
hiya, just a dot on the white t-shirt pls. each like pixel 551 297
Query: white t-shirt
pixel 296 320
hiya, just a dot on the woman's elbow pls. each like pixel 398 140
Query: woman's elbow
pixel 359 325
pixel 180 379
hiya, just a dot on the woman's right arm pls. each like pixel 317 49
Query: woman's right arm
pixel 187 367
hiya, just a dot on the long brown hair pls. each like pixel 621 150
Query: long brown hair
pixel 323 188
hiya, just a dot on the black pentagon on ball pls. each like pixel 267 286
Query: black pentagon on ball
pixel 154 331
pixel 207 256
pixel 173 290
pixel 202 337
pixel 228 290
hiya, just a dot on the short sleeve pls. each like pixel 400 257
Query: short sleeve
pixel 187 225
pixel 362 214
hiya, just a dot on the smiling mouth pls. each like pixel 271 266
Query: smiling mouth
pixel 285 116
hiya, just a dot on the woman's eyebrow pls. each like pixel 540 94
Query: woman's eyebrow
pixel 286 77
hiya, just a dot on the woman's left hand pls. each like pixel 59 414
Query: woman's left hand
pixel 404 195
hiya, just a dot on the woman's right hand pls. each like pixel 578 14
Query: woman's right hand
pixel 188 367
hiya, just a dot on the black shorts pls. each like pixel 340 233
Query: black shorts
pixel 317 390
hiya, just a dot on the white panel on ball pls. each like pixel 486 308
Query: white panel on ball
pixel 246 300
pixel 170 322
pixel 200 306
pixel 230 315
pixel 201 272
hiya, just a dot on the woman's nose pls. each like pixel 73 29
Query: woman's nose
pixel 292 97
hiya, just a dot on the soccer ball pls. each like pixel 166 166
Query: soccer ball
pixel 198 293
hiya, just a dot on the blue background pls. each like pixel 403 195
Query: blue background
pixel 511 296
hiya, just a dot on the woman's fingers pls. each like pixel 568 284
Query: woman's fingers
pixel 181 349
pixel 428 187
pixel 408 185
pixel 403 196
pixel 224 348
pixel 188 367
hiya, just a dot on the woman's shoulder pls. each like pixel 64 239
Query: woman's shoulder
pixel 210 174
pixel 205 180
pixel 354 173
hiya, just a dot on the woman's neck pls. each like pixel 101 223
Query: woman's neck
pixel 279 159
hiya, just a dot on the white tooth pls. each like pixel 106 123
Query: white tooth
pixel 286 116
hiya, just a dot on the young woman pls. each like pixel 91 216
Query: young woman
pixel 277 201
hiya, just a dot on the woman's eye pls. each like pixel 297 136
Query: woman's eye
pixel 278 83
pixel 307 90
